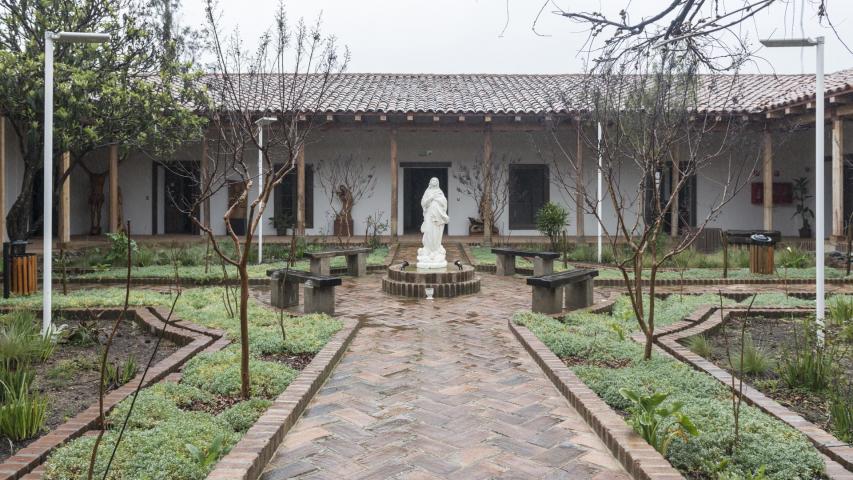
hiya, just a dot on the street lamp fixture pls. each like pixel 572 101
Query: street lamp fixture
pixel 260 123
pixel 820 303
pixel 47 217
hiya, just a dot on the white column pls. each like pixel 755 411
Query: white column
pixel 47 217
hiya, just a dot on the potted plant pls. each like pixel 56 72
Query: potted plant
pixel 801 196
pixel 282 222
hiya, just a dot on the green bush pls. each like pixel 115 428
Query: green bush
pixel 806 362
pixel 22 414
pixel 305 334
pixel 550 221
pixel 699 345
pixel 156 453
pixel 219 373
pixel 755 360
pixel 243 415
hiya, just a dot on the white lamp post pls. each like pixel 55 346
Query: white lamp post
pixel 47 217
pixel 818 42
pixel 260 123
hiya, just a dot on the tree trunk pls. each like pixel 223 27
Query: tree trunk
pixel 18 219
pixel 245 390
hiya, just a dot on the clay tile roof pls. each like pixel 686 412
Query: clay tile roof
pixel 515 94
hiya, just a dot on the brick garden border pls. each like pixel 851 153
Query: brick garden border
pixel 639 458
pixel 838 454
pixel 256 448
pixel 27 462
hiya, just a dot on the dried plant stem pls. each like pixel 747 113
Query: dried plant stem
pixel 105 355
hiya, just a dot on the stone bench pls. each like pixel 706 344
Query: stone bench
pixel 548 290
pixel 319 290
pixel 543 262
pixel 356 261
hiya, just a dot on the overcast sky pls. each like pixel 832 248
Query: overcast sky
pixel 478 36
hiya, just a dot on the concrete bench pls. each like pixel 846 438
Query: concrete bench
pixel 356 261
pixel 548 290
pixel 319 290
pixel 543 262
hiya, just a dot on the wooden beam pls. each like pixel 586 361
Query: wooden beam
pixel 383 118
pixel 2 178
pixel 487 187
pixel 114 206
pixel 394 183
pixel 64 222
pixel 204 168
pixel 487 119
pixel 837 178
pixel 767 175
pixel 839 99
pixel 300 191
pixel 461 118
pixel 330 117
pixel 357 117
pixel 410 117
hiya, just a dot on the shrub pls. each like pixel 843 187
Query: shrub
pixel 21 341
pixel 658 424
pixel 22 414
pixel 841 413
pixel 806 363
pixel 156 453
pixel 219 373
pixel 305 334
pixel 550 221
pixel 699 345
pixel 793 257
pixel 243 415
pixel 755 360
pixel 117 255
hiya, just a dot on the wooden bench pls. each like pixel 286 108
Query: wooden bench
pixel 548 290
pixel 356 261
pixel 319 290
pixel 543 262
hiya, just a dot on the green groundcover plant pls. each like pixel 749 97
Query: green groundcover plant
pixel 612 365
pixel 170 434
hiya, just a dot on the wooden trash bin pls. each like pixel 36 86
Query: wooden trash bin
pixel 761 258
pixel 20 270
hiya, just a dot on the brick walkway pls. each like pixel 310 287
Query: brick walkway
pixel 439 390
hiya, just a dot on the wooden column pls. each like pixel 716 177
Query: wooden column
pixel 114 206
pixel 675 178
pixel 2 178
pixel 767 178
pixel 580 192
pixel 65 200
pixel 204 167
pixel 300 191
pixel 487 187
pixel 395 166
pixel 837 178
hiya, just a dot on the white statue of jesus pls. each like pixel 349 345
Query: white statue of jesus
pixel 434 203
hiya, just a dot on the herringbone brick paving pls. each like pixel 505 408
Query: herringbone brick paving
pixel 439 389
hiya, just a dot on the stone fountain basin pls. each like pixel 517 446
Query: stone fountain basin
pixel 446 282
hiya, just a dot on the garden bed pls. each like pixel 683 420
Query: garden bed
pixel 597 348
pixel 69 378
pixel 771 337
pixel 181 428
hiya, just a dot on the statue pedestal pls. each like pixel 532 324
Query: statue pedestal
pixel 446 282
pixel 431 261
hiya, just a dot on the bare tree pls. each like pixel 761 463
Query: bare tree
pixel 711 30
pixel 287 76
pixel 345 180
pixel 471 182
pixel 664 124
